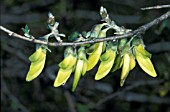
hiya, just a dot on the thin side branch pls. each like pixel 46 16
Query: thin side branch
pixel 140 30
pixel 156 7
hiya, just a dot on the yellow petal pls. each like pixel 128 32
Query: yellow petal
pixel 35 56
pixel 105 66
pixel 125 68
pixel 104 47
pixel 68 62
pixel 62 76
pixel 72 63
pixel 36 68
pixel 77 73
pixel 85 64
pixel 121 63
pixel 146 65
pixel 141 51
pixel 95 56
pixel 132 62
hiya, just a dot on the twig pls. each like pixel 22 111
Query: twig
pixel 156 7
pixel 142 83
pixel 140 30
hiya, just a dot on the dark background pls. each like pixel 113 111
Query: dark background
pixel 141 93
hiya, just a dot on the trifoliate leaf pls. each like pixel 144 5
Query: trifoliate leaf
pixel 26 29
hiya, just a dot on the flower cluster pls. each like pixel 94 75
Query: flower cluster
pixel 112 55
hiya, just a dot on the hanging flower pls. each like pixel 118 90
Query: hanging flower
pixel 37 63
pixel 66 67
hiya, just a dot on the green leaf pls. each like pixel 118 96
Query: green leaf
pixel 26 29
pixel 26 32
pixel 84 34
pixel 74 36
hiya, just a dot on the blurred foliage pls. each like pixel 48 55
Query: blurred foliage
pixel 17 95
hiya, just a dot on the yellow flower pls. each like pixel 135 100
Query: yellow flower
pixel 81 67
pixel 107 60
pixel 68 62
pixel 66 67
pixel 118 61
pixel 96 51
pixel 85 64
pixel 143 59
pixel 62 76
pixel 77 73
pixel 128 63
pixel 37 64
pixel 95 56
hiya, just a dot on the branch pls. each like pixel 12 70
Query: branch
pixel 156 7
pixel 140 30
